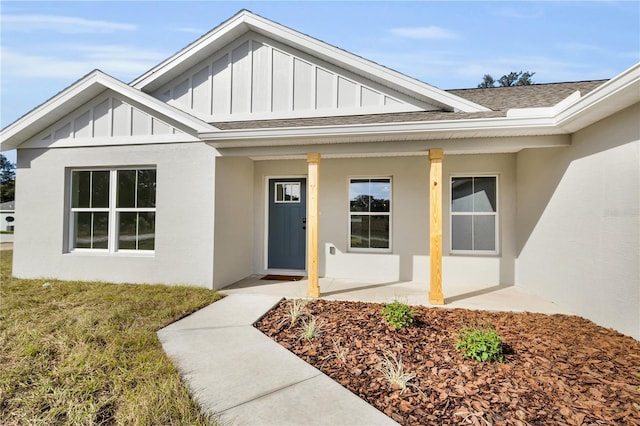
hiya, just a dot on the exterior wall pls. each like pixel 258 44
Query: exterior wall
pixel 409 259
pixel 578 222
pixel 233 242
pixel 184 219
pixel 255 77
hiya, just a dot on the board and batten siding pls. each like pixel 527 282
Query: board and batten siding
pixel 259 78
pixel 106 117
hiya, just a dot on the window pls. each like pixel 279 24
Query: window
pixel 113 209
pixel 370 213
pixel 287 192
pixel 474 214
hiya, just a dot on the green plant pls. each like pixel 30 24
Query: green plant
pixel 296 307
pixel 393 371
pixel 398 314
pixel 310 329
pixel 480 343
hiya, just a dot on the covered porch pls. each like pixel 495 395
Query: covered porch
pixel 495 298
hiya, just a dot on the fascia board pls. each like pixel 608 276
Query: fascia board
pixel 614 95
pixel 220 35
pixel 79 93
pixel 462 128
pixel 246 21
pixel 359 65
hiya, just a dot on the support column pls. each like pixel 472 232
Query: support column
pixel 435 226
pixel 313 164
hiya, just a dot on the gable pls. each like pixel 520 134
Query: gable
pixel 258 78
pixel 108 119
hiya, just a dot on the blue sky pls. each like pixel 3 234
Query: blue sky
pixel 46 46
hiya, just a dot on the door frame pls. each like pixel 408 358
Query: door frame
pixel 265 259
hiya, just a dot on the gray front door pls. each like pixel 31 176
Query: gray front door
pixel 287 223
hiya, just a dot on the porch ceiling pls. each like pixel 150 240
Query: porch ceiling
pixel 409 147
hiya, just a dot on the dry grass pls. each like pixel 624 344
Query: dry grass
pixel 86 353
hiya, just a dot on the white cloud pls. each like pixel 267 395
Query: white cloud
pixel 431 32
pixel 123 62
pixel 61 24
pixel 518 14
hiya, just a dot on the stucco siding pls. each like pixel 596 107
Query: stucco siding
pixel 579 225
pixel 232 258
pixel 184 219
pixel 408 259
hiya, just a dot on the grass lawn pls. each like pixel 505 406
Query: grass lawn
pixel 86 353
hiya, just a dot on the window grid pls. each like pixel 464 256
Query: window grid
pixel 114 212
pixel 472 213
pixel 370 215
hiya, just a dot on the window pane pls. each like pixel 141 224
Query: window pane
pixel 359 231
pixel 81 189
pixel 379 226
pixel 82 230
pixel 146 231
pixel 461 194
pixel 484 197
pixel 292 192
pixel 126 188
pixel 147 188
pixel 127 231
pixel 380 191
pixel 484 232
pixel 100 189
pixel 461 233
pixel 359 195
pixel 100 230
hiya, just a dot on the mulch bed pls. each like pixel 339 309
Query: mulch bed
pixel 558 369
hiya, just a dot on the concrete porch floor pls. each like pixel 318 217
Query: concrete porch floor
pixel 496 298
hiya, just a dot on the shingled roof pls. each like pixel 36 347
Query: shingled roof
pixel 498 99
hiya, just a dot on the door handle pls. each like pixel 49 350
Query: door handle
pixel 304 220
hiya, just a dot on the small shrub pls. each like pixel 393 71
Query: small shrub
pixel 393 371
pixel 397 314
pixel 296 307
pixel 310 329
pixel 480 344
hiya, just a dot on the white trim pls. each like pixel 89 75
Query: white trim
pixel 113 211
pixel 496 214
pixel 246 21
pixel 389 214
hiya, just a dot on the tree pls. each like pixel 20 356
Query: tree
pixel 520 78
pixel 7 179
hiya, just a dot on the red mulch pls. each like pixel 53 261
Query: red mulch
pixel 559 369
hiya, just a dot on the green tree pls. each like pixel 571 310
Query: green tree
pixel 520 78
pixel 7 179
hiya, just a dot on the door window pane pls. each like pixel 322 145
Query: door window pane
pixel 287 192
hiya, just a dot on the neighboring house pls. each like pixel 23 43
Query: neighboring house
pixel 7 216
pixel 259 149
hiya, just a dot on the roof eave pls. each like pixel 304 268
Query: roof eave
pixel 79 93
pixel 246 21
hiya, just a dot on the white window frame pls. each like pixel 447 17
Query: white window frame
pixel 112 210
pixel 496 214
pixel 283 184
pixel 350 214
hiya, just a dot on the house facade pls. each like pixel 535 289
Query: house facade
pixel 257 149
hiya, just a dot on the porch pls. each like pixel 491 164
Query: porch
pixel 493 298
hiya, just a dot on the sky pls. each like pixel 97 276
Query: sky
pixel 46 46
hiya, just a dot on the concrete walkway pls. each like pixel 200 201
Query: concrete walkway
pixel 244 378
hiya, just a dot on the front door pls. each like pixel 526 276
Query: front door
pixel 287 223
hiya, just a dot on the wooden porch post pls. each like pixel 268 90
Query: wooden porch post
pixel 435 226
pixel 313 164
